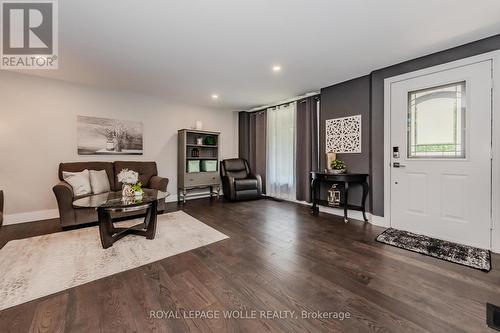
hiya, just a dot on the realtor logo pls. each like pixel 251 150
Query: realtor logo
pixel 29 34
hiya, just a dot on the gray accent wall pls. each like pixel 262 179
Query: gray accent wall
pixel 345 99
pixel 365 96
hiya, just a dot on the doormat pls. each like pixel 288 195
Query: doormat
pixel 457 253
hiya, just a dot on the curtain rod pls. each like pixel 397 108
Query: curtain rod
pixel 283 102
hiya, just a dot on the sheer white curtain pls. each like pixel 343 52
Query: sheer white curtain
pixel 280 181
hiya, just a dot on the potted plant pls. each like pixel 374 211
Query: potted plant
pixel 338 167
pixel 128 178
pixel 138 191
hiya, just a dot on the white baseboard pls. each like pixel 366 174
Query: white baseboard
pixel 40 215
pixel 173 197
pixel 31 216
pixel 352 214
pixel 379 221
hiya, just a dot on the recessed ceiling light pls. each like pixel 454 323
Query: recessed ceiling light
pixel 215 96
pixel 276 68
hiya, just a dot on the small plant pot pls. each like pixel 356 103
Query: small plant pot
pixel 338 172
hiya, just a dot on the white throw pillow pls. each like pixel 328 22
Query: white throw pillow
pixel 99 181
pixel 79 181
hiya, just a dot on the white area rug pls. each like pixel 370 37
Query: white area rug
pixel 39 266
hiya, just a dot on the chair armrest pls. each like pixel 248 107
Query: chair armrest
pixel 158 183
pixel 259 182
pixel 228 187
pixel 64 196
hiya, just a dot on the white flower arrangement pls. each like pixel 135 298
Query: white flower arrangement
pixel 127 176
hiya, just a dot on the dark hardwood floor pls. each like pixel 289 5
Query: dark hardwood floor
pixel 278 258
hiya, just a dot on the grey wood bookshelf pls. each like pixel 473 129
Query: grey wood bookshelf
pixel 197 164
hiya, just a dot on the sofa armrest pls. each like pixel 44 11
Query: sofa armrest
pixel 158 183
pixel 64 196
pixel 259 182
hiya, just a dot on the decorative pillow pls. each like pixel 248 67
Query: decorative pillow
pixel 79 181
pixel 99 181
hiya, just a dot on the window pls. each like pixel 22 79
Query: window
pixel 436 122
pixel 281 151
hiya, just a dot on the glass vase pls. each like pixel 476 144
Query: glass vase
pixel 127 190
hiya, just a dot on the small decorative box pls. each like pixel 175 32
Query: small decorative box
pixel 209 165
pixel 193 166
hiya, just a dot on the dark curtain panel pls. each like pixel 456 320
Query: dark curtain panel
pixel 244 135
pixel 257 156
pixel 307 145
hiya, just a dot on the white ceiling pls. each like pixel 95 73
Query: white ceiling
pixel 185 50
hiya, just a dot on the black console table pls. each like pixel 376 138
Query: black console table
pixel 345 179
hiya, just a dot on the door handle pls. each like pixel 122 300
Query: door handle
pixel 398 165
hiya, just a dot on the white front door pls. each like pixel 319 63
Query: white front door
pixel 441 154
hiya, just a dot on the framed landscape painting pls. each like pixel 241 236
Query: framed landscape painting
pixel 104 136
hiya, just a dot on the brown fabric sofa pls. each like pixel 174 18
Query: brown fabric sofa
pixel 71 216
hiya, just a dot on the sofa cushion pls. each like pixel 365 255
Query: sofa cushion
pixel 99 181
pixel 146 170
pixel 79 181
pixel 245 184
pixel 80 166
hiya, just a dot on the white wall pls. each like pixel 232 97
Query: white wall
pixel 38 131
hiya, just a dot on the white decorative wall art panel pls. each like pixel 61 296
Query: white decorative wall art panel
pixel 343 135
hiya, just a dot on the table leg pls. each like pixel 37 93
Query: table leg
pixel 150 220
pixel 363 201
pixel 105 227
pixel 346 197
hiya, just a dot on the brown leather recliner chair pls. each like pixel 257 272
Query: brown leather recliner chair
pixel 238 182
pixel 71 216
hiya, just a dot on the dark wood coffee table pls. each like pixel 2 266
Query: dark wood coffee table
pixel 107 203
